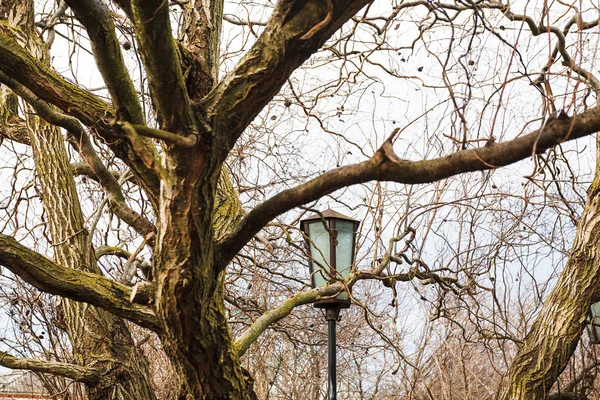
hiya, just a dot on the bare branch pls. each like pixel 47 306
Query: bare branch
pixel 82 169
pixel 178 140
pixel 159 54
pixel 81 141
pixel 19 65
pixel 235 20
pixel 561 46
pixel 243 343
pixel 102 251
pixel 267 319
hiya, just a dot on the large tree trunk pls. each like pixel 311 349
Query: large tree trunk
pixel 97 337
pixel 554 336
pixel 190 289
pixel 190 296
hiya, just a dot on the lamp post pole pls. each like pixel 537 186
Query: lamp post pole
pixel 331 315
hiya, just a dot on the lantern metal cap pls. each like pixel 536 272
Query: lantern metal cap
pixel 329 213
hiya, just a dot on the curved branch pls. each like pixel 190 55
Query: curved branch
pixel 96 18
pixel 102 251
pixel 168 137
pixel 82 169
pixel 83 286
pixel 18 64
pixel 538 30
pixel 75 372
pixel 243 343
pixel 386 166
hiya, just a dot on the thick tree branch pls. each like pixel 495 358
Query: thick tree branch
pixel 386 166
pixel 554 335
pixel 83 286
pixel 96 18
pixel 246 339
pixel 20 66
pixel 82 169
pixel 294 32
pixel 161 61
pixel 200 49
pixel 111 185
pixel 75 372
pixel 167 137
pixel 102 251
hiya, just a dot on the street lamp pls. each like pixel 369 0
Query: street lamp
pixel 331 239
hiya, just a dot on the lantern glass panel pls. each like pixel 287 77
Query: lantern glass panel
pixel 344 251
pixel 345 244
pixel 595 319
pixel 319 251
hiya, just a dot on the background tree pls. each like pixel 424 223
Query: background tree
pixel 208 129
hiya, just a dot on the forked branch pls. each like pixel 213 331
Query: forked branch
pixel 294 32
pixel 46 84
pixel 81 141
